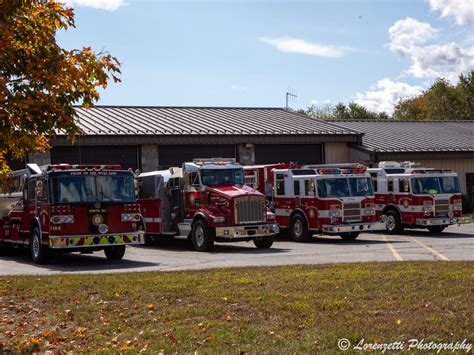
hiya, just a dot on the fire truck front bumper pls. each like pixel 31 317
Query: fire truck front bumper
pixel 238 232
pixel 353 227
pixel 91 241
pixel 439 221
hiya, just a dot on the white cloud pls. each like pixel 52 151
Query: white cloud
pixel 441 60
pixel 461 10
pixel 405 34
pixel 295 45
pixel 384 95
pixel 429 61
pixel 109 5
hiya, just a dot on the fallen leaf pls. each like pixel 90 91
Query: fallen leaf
pixel 399 321
pixel 69 314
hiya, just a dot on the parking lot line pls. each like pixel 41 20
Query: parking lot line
pixel 392 249
pixel 431 250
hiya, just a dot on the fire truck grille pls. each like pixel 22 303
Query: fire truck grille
pixel 351 212
pixel 249 210
pixel 441 207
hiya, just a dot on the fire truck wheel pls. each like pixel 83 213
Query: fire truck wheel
pixel 201 236
pixel 299 229
pixel 349 236
pixel 39 252
pixel 263 243
pixel 394 223
pixel 115 253
pixel 436 229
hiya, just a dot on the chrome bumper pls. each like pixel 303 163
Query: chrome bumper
pixel 353 227
pixel 439 221
pixel 90 241
pixel 259 230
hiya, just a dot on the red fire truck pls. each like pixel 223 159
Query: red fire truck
pixel 325 199
pixel 415 197
pixel 72 208
pixel 205 201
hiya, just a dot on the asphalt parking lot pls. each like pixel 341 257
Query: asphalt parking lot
pixel 455 243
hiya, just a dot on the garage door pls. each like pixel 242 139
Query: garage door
pixel 175 155
pixel 125 155
pixel 282 153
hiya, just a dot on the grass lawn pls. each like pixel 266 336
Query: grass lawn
pixel 273 309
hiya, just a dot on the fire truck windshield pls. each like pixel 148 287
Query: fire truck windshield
pixel 344 187
pixel 435 185
pixel 87 189
pixel 213 177
pixel 115 188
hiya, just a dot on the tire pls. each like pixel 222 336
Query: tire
pixel 115 253
pixel 436 229
pixel 264 243
pixel 299 229
pixel 201 236
pixel 394 223
pixel 349 236
pixel 39 252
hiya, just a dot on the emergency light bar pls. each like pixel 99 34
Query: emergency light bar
pixel 83 167
pixel 430 171
pixel 215 161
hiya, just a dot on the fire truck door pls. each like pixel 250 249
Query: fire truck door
pixel 41 204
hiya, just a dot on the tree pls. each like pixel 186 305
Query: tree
pixel 442 101
pixel 40 81
pixel 353 111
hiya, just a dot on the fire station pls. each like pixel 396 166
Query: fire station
pixel 152 138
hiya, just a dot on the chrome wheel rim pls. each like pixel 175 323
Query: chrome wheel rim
pixel 298 228
pixel 199 235
pixel 390 223
pixel 36 245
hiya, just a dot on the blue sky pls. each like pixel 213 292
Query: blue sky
pixel 247 53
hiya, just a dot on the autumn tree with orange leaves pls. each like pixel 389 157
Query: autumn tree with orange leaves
pixel 40 81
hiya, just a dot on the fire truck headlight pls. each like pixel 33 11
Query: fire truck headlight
pixel 457 205
pixel 334 213
pixel 130 217
pixel 63 219
pixel 368 211
pixel 220 219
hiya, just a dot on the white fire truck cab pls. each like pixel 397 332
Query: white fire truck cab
pixel 415 197
pixel 205 201
pixel 324 199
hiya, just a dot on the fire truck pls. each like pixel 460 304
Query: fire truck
pixel 325 199
pixel 205 201
pixel 68 208
pixel 415 197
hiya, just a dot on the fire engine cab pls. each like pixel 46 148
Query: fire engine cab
pixel 416 197
pixel 71 208
pixel 324 199
pixel 205 201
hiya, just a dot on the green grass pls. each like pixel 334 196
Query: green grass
pixel 272 309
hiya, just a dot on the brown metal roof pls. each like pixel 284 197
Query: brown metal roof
pixel 413 136
pixel 137 120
